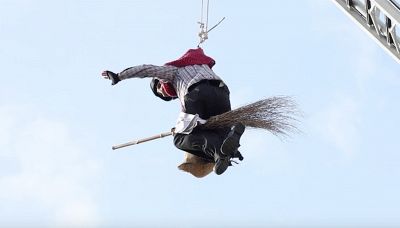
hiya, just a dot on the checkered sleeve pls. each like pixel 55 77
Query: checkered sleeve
pixel 143 71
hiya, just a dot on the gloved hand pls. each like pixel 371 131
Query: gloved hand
pixel 111 76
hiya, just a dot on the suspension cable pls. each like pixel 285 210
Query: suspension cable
pixel 203 34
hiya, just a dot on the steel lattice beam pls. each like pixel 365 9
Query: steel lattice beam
pixel 379 18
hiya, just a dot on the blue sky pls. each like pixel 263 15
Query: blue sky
pixel 59 118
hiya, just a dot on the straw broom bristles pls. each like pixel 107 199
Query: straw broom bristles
pixel 277 114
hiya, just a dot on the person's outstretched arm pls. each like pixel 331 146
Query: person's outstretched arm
pixel 142 71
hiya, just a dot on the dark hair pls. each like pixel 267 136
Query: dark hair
pixel 153 86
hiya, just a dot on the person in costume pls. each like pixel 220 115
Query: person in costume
pixel 202 94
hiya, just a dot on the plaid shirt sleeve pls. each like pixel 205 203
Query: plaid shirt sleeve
pixel 143 71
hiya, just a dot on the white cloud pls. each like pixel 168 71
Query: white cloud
pixel 48 168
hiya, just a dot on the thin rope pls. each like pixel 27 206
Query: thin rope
pixel 203 34
pixel 208 7
pixel 216 24
pixel 203 30
pixel 201 13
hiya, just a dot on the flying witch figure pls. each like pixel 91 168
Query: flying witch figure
pixel 207 129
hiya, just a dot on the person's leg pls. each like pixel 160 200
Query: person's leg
pixel 199 141
pixel 207 100
pixel 191 145
pixel 202 143
pixel 218 102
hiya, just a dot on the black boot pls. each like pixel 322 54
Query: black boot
pixel 229 149
pixel 231 143
pixel 221 164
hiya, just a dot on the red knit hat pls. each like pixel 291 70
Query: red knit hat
pixel 193 57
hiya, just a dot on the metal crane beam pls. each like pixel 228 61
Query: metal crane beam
pixel 379 18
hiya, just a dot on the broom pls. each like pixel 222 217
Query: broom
pixel 278 115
